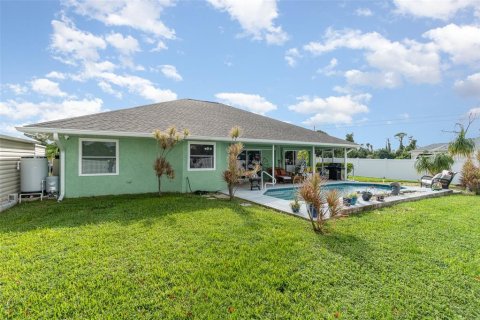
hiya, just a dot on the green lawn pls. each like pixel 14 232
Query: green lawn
pixel 387 180
pixel 183 256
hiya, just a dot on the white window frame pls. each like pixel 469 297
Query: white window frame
pixel 254 149
pixel 214 144
pixel 285 160
pixel 117 158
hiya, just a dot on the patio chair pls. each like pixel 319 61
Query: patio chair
pixel 300 173
pixel 282 176
pixel 445 178
pixel 255 181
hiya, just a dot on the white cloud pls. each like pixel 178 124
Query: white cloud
pixel 291 56
pixel 170 72
pixel 405 115
pixel 49 110
pixel 414 61
pixel 55 75
pixel 462 43
pixel 250 102
pixel 103 73
pixel 138 85
pixel 16 88
pixel 374 79
pixel 443 9
pixel 143 15
pixel 126 45
pixel 363 12
pixel 107 88
pixel 329 70
pixel 8 128
pixel 474 111
pixel 255 17
pixel 74 44
pixel 47 87
pixel 470 87
pixel 160 46
pixel 342 90
pixel 128 62
pixel 337 110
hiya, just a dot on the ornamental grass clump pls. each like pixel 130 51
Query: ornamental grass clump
pixel 332 198
pixel 465 147
pixel 471 175
pixel 166 140
pixel 311 192
pixel 234 172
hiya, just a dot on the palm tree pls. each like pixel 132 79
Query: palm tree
pixel 461 146
pixel 166 141
pixel 400 137
pixel 434 164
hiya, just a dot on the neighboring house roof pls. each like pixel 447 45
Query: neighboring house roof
pixel 441 147
pixel 24 140
pixel 204 119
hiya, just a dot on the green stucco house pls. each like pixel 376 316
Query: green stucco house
pixel 113 152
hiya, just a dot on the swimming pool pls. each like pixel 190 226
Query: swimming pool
pixel 288 193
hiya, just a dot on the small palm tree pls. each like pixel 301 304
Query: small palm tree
pixel 461 146
pixel 166 140
pixel 434 164
pixel 233 173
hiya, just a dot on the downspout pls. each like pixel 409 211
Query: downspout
pixel 60 145
pixel 314 160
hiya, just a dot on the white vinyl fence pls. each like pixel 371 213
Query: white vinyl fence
pixel 402 169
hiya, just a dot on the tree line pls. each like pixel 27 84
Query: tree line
pixel 406 144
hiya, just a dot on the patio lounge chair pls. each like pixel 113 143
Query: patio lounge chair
pixel 445 178
pixel 282 176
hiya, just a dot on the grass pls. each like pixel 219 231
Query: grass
pixel 182 257
pixel 372 179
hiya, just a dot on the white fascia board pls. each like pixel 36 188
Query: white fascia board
pixel 193 137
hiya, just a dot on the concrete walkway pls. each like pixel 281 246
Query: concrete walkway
pixel 407 194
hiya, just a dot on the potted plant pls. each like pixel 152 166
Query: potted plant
pixel 350 199
pixel 295 205
pixel 367 195
pixel 380 197
pixel 353 198
pixel 313 211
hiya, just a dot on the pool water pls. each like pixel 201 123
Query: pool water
pixel 344 188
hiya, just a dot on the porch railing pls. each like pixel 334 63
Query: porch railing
pixel 274 181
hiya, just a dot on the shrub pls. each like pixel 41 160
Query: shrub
pixel 471 175
pixel 314 195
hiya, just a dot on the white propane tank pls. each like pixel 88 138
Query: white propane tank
pixel 33 170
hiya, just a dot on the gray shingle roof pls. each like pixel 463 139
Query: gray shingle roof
pixel 443 146
pixel 434 147
pixel 202 118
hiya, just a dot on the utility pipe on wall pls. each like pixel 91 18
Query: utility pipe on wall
pixel 60 145
pixel 314 160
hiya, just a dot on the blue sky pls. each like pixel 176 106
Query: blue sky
pixel 374 68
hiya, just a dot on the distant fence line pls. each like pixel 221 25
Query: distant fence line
pixel 402 169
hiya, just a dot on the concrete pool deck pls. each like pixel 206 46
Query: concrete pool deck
pixel 409 193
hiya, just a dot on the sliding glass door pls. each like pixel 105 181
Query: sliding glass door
pixel 248 158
